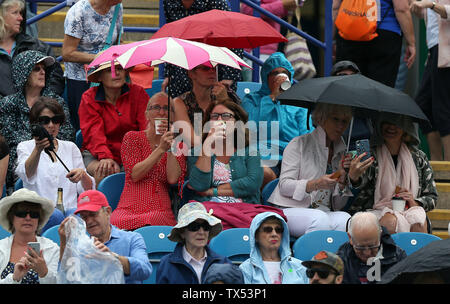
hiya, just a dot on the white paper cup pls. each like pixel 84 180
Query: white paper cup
pixel 158 122
pixel 398 204
pixel 286 84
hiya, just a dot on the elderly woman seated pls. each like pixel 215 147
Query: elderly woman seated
pixel 106 113
pixel 399 170
pixel 313 185
pixel 150 169
pixel 24 213
pixel 31 72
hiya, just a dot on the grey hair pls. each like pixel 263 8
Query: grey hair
pixel 364 220
pixel 3 7
pixel 156 96
pixel 323 110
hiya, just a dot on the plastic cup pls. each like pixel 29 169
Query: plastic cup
pixel 398 204
pixel 158 122
pixel 286 84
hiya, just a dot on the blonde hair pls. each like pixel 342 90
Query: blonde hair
pixel 156 96
pixel 323 110
pixel 3 8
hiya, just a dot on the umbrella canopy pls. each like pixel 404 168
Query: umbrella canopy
pixel 111 53
pixel 183 53
pixel 368 97
pixel 433 260
pixel 222 28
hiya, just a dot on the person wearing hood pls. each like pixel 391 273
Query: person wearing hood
pixel 192 257
pixel 263 106
pixel 31 72
pixel 400 169
pixel 271 260
pixel 14 40
pixel 369 245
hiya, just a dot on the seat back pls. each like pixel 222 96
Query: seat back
pixel 112 187
pixel 4 191
pixel 309 244
pixel 158 245
pixel 413 241
pixel 52 234
pixel 79 139
pixel 233 243
pixel 267 191
pixel 245 87
pixel 3 233
pixel 18 185
pixel 156 87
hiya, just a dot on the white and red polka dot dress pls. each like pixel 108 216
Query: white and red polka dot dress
pixel 147 201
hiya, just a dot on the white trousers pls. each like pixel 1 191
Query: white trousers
pixel 304 220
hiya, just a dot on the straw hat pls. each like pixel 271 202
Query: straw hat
pixel 94 74
pixel 188 214
pixel 25 195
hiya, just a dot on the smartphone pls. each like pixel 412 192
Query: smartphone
pixel 35 246
pixel 362 146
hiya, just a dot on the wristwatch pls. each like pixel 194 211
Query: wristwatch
pixel 434 4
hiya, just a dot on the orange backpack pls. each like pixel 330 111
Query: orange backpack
pixel 357 20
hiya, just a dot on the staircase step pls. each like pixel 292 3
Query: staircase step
pixel 134 19
pixel 441 170
pixel 443 234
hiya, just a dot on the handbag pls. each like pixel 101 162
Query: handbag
pixel 297 52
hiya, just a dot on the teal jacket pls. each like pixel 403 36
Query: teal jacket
pixel 253 268
pixel 246 175
pixel 260 108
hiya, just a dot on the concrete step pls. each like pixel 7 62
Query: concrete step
pixel 441 170
pixel 443 234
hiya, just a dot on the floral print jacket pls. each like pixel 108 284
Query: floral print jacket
pixel 427 196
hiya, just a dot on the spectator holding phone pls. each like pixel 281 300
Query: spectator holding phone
pixel 24 213
pixel 43 172
pixel 399 169
pixel 313 186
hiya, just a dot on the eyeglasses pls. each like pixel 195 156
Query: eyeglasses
pixel 45 120
pixel 269 229
pixel 323 274
pixel 195 226
pixel 38 68
pixel 224 116
pixel 158 108
pixel 364 248
pixel 23 214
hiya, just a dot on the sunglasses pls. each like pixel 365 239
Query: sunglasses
pixel 195 226
pixel 38 68
pixel 224 116
pixel 23 214
pixel 269 229
pixel 45 120
pixel 323 274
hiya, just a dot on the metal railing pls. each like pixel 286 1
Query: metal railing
pixel 235 6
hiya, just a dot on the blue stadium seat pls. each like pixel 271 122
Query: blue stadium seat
pixel 3 233
pixel 246 87
pixel 309 244
pixel 52 234
pixel 158 245
pixel 18 185
pixel 156 87
pixel 267 191
pixel 413 241
pixel 112 186
pixel 4 191
pixel 232 243
pixel 79 139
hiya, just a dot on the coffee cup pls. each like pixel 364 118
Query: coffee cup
pixel 398 204
pixel 286 84
pixel 158 122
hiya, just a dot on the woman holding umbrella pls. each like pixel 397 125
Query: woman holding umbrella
pixel 399 170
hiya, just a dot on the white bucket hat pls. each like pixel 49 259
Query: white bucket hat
pixel 25 195
pixel 188 214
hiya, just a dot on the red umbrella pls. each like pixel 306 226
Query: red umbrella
pixel 222 28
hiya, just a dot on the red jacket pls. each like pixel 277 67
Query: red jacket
pixel 103 125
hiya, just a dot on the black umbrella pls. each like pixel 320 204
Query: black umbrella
pixel 428 264
pixel 368 97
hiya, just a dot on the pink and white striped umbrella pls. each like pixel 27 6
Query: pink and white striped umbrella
pixel 183 53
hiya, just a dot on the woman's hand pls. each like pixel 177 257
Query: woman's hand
pixel 407 196
pixel 20 269
pixel 220 91
pixel 36 262
pixel 166 141
pixel 107 166
pixel 75 175
pixel 358 167
pixel 41 144
pixel 324 182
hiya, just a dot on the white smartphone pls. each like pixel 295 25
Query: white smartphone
pixel 35 246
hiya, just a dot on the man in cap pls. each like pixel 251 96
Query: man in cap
pixel 127 246
pixel 345 67
pixel 325 268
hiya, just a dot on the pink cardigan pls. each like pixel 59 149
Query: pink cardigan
pixel 276 8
